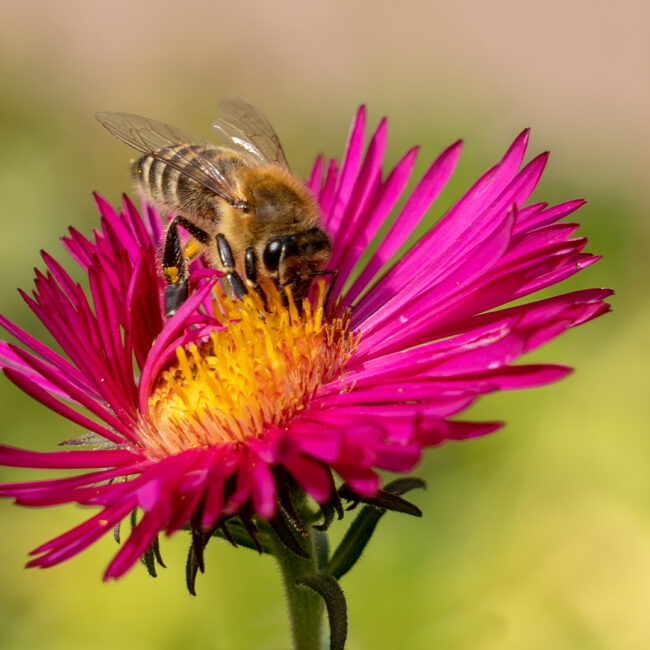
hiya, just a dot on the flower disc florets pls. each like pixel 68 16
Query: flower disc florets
pixel 260 366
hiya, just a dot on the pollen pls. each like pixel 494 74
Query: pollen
pixel 256 371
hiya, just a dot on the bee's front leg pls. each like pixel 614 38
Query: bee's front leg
pixel 228 263
pixel 250 264
pixel 334 274
pixel 174 266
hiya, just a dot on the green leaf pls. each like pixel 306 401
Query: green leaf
pixel 337 612
pixel 362 528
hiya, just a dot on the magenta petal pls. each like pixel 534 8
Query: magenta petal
pixel 460 229
pixel 363 481
pixel 63 366
pixel 213 504
pixel 10 359
pixel 325 445
pixel 366 181
pixel 79 538
pixel 14 457
pixel 263 489
pixel 326 195
pixel 74 393
pixel 136 544
pixel 17 489
pixel 242 491
pixel 316 176
pixel 414 209
pixel 465 430
pixel 381 337
pixel 349 169
pixel 527 376
pixel 39 394
pixel 382 202
pixel 549 215
pixel 397 458
pixel 311 476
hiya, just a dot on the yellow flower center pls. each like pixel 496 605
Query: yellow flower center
pixel 258 371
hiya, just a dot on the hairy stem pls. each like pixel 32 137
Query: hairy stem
pixel 305 605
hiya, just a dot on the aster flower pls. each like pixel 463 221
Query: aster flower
pixel 219 420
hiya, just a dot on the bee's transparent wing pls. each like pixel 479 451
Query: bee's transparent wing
pixel 244 128
pixel 161 141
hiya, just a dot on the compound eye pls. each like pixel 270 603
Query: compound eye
pixel 272 253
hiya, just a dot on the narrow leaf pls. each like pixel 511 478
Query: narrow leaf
pixel 362 528
pixel 354 542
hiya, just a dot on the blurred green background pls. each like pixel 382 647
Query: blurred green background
pixel 535 537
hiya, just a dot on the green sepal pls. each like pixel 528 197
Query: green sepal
pixel 327 510
pixel 237 533
pixel 191 571
pixel 195 563
pixel 150 562
pixel 337 612
pixel 360 531
pixel 388 498
pixel 331 507
pixel 287 536
pixel 151 556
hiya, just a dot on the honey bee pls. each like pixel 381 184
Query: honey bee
pixel 240 203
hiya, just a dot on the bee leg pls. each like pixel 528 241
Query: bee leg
pixel 174 267
pixel 228 263
pixel 334 273
pixel 250 263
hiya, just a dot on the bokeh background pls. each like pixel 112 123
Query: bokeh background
pixel 535 537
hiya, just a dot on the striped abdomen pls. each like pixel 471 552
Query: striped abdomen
pixel 165 185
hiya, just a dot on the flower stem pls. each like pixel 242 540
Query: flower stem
pixel 305 605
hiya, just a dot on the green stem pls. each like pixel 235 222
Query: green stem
pixel 305 605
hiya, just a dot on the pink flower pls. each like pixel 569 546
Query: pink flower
pixel 214 413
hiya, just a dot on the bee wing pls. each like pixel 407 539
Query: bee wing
pixel 243 127
pixel 157 139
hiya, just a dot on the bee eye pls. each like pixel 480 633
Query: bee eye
pixel 272 252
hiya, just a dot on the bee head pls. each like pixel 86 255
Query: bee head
pixel 294 259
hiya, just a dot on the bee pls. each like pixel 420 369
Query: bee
pixel 240 203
